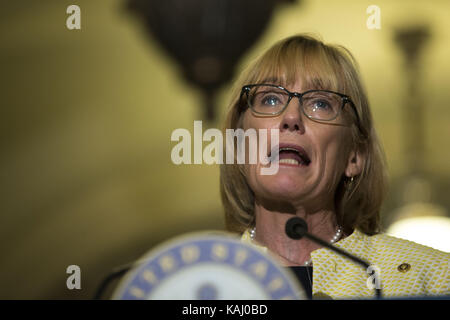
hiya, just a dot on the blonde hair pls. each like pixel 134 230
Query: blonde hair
pixel 318 66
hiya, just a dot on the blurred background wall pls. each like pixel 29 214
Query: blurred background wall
pixel 87 115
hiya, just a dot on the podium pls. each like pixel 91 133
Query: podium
pixel 208 266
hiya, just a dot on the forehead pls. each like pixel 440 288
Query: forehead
pixel 297 67
pixel 294 85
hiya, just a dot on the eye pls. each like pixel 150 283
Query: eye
pixel 271 100
pixel 321 104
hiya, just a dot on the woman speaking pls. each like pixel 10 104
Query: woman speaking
pixel 331 173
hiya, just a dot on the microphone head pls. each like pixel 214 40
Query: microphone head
pixel 296 228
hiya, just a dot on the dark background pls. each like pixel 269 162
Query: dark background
pixel 86 118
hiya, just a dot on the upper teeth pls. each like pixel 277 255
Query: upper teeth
pixel 288 149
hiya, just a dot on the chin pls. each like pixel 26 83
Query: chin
pixel 282 187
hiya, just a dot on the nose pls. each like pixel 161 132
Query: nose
pixel 292 117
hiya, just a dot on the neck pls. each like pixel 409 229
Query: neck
pixel 270 225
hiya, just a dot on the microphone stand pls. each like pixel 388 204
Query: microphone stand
pixel 117 272
pixel 296 228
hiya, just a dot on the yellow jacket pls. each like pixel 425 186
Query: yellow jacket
pixel 405 268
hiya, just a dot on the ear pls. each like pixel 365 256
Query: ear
pixel 355 163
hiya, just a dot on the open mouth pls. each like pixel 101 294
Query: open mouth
pixel 293 155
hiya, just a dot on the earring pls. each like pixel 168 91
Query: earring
pixel 349 183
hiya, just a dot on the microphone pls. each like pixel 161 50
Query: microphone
pixel 117 272
pixel 297 228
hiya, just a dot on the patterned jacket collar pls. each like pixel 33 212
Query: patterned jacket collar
pixel 355 240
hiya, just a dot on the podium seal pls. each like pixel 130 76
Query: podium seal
pixel 208 266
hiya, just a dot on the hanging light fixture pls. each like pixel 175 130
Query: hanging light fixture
pixel 205 37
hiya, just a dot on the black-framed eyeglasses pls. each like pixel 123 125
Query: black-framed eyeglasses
pixel 271 100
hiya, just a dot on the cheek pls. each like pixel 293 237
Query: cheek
pixel 249 121
pixel 334 152
pixel 265 132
